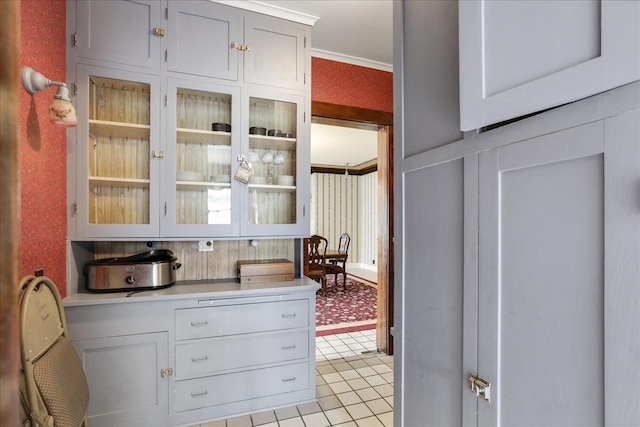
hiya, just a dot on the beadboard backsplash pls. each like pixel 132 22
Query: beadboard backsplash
pixel 341 203
pixel 218 264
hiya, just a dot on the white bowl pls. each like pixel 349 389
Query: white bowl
pixel 285 180
pixel 221 178
pixel 189 176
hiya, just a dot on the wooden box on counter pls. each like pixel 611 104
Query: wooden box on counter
pixel 266 270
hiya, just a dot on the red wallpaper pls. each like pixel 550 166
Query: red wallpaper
pixel 43 152
pixel 352 85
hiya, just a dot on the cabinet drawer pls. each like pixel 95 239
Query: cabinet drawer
pixel 206 358
pixel 241 319
pixel 239 386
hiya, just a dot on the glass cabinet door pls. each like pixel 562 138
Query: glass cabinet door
pixel 200 148
pixel 117 139
pixel 276 131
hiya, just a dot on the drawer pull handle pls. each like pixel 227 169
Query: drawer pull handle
pixel 199 359
pixel 201 394
pixel 288 380
pixel 199 324
pixel 288 316
pixel 288 347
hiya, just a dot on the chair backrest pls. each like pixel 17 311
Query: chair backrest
pixel 343 245
pixel 54 389
pixel 317 251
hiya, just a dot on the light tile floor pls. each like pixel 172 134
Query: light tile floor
pixel 354 386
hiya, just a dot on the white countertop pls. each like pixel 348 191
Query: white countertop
pixel 211 289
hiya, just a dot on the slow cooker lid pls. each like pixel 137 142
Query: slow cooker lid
pixel 150 257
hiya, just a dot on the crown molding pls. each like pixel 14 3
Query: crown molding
pixel 353 60
pixel 268 9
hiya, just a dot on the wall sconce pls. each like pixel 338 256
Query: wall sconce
pixel 61 110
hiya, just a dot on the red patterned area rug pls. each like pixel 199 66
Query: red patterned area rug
pixel 341 311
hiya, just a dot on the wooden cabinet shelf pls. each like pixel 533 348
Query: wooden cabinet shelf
pixel 193 185
pixel 119 182
pixel 194 136
pixel 272 188
pixel 106 129
pixel 272 142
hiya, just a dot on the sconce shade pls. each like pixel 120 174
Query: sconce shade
pixel 61 111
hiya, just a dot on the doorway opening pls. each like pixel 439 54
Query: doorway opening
pixel 382 124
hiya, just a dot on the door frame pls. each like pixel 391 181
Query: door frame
pixel 383 122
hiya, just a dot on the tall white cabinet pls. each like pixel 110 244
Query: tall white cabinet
pixel 518 249
pixel 167 93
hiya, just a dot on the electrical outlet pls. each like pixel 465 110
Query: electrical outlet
pixel 205 246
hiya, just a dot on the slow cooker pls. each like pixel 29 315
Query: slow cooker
pixel 155 269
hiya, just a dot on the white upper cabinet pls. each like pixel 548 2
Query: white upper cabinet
pixel 162 135
pixel 275 54
pixel 215 40
pixel 125 32
pixel 200 39
pixel 520 57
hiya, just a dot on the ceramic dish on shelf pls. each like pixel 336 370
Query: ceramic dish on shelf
pixel 258 180
pixel 286 135
pixel 221 127
pixel 189 176
pixel 285 180
pixel 224 179
pixel 256 130
pixel 274 132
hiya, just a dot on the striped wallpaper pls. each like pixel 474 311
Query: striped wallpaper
pixel 349 204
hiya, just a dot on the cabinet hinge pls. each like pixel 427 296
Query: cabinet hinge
pixel 166 372
pixel 304 80
pixel 166 13
pixel 166 55
pixel 75 208
pixel 166 100
pixel 165 208
pixel 75 39
pixel 75 88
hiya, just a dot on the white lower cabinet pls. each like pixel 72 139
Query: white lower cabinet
pixel 178 357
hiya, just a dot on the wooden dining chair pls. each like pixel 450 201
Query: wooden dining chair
pixel 339 266
pixel 317 248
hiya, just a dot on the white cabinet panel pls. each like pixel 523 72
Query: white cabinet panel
pixel 240 386
pixel 206 358
pixel 433 211
pixel 120 31
pixel 517 58
pixel 241 319
pixel 277 52
pixel 124 379
pixel 200 39
pixel 543 287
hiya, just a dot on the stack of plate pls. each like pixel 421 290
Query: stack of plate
pixel 258 180
pixel 221 178
pixel 285 180
pixel 189 176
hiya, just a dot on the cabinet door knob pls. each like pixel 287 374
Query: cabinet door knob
pixel 158 32
pixel 157 154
